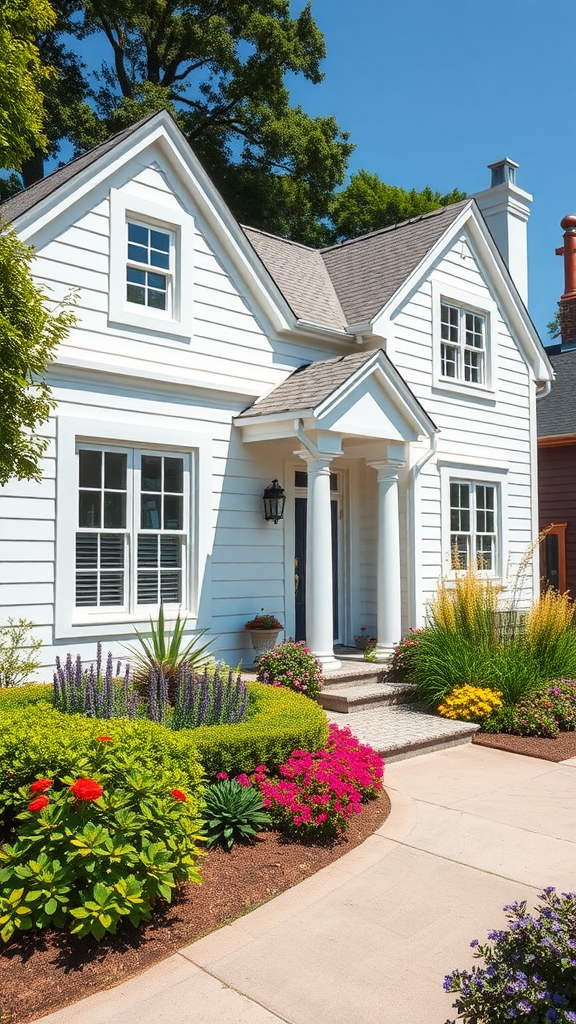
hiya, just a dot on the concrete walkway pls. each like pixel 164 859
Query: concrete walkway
pixel 369 939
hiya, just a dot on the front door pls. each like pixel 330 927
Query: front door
pixel 300 504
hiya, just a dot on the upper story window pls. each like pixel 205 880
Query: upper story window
pixel 149 267
pixel 463 344
pixel 131 536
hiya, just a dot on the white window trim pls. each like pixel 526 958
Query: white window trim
pixel 463 472
pixel 178 320
pixel 71 622
pixel 473 303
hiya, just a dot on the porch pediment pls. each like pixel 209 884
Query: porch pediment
pixel 361 395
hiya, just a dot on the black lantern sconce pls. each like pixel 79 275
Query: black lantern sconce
pixel 274 501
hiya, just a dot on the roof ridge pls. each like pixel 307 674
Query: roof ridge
pixel 394 227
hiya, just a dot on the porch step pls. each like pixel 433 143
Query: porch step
pixel 399 731
pixel 352 695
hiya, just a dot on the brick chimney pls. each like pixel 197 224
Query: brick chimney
pixel 567 304
pixel 506 209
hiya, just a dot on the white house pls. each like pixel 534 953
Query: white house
pixel 388 383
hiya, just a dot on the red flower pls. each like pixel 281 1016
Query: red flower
pixel 40 786
pixel 104 739
pixel 39 803
pixel 86 789
pixel 178 794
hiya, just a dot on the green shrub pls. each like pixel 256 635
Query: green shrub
pixel 38 739
pixel 543 714
pixel 278 722
pixel 25 696
pixel 94 849
pixel 18 652
pixel 233 811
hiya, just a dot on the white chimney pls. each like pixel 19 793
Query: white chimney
pixel 506 209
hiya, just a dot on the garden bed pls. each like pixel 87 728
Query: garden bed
pixel 557 748
pixel 42 972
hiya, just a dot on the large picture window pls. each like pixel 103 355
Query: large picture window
pixel 131 529
pixel 473 525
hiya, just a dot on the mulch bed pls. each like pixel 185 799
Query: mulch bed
pixel 560 748
pixel 43 972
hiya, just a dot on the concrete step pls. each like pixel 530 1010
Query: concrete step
pixel 350 696
pixel 399 731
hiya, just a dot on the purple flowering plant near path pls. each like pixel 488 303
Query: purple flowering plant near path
pixel 529 972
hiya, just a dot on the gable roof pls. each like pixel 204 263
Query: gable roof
pixel 557 411
pixel 308 385
pixel 29 197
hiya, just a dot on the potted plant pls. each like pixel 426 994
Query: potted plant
pixel 263 629
pixel 363 640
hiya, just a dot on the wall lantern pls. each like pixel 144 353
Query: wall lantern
pixel 274 501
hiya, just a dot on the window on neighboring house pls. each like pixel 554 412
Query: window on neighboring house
pixel 149 267
pixel 463 344
pixel 473 519
pixel 131 538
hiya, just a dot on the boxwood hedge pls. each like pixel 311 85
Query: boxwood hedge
pixel 36 739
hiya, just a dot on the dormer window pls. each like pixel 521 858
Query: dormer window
pixel 463 344
pixel 149 267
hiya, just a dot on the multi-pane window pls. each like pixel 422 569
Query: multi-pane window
pixel 463 344
pixel 473 525
pixel 148 267
pixel 131 538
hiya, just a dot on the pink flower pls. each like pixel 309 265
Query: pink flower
pixel 222 775
pixel 243 779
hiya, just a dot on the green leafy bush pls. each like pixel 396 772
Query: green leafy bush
pixel 18 652
pixel 543 714
pixel 404 656
pixel 25 696
pixel 278 722
pixel 40 739
pixel 291 664
pixel 93 850
pixel 233 811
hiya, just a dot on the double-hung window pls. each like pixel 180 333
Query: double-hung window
pixel 463 334
pixel 149 266
pixel 473 525
pixel 131 530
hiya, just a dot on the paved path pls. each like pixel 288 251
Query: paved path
pixel 369 939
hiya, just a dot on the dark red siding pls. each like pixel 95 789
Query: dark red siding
pixel 557 498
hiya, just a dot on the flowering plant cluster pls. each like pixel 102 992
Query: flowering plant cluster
pixel 405 653
pixel 264 621
pixel 530 968
pixel 92 851
pixel 543 714
pixel 292 664
pixel 470 703
pixel 318 792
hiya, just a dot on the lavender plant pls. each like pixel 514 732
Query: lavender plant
pixel 208 699
pixel 92 691
pixel 530 969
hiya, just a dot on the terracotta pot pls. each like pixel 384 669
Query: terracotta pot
pixel 263 640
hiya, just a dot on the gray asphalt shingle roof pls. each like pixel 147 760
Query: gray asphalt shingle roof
pixel 308 385
pixel 557 412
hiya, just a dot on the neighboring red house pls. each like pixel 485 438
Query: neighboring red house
pixel 557 438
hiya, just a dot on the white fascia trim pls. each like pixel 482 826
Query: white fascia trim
pixel 162 131
pixel 469 222
pixel 71 429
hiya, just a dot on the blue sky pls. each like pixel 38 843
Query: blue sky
pixel 433 92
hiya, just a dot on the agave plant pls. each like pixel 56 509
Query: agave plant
pixel 233 812
pixel 163 654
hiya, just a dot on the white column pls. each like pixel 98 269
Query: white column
pixel 389 595
pixel 319 599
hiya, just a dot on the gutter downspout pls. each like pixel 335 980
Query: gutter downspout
pixel 414 550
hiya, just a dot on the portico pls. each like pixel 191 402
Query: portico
pixel 360 407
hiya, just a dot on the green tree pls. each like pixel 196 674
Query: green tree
pixel 22 78
pixel 368 203
pixel 29 334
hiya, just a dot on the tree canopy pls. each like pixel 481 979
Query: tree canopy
pixel 23 75
pixel 29 334
pixel 368 203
